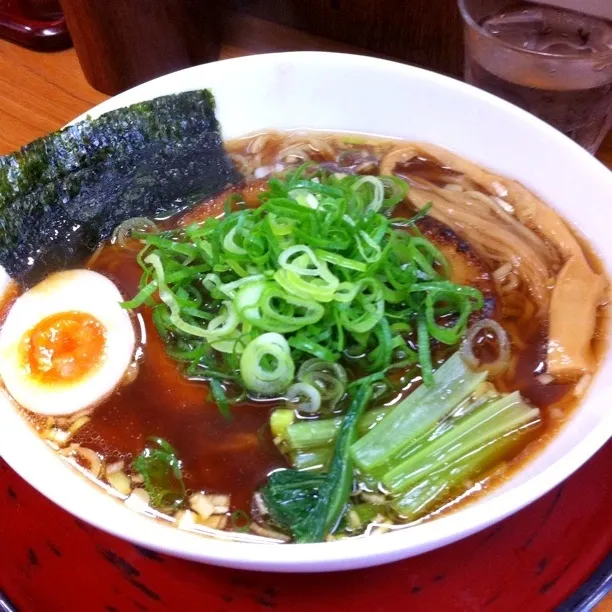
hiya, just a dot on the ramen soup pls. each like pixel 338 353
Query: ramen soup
pixel 356 337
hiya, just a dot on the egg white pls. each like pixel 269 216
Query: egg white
pixel 72 290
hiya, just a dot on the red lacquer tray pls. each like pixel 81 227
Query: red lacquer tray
pixel 534 560
pixel 34 23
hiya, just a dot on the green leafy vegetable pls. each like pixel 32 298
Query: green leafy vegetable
pixel 160 469
pixel 335 492
pixel 290 496
pixel 428 448
pixel 422 409
pixel 360 515
pixel 476 442
pixel 311 505
pixel 481 427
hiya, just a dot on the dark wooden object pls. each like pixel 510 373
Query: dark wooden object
pixel 34 23
pixel 423 32
pixel 121 43
pixel 43 10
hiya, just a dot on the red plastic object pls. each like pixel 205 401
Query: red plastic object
pixel 532 561
pixel 34 23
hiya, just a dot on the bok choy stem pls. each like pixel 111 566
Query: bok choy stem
pixel 439 483
pixel 477 430
pixel 306 435
pixel 315 459
pixel 421 410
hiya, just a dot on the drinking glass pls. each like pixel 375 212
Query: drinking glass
pixel 557 64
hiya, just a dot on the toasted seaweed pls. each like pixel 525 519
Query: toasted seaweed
pixel 63 194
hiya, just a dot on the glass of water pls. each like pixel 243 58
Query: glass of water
pixel 555 63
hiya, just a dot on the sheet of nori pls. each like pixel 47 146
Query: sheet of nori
pixel 63 194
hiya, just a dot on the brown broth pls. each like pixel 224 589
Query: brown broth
pixel 219 455
pixel 235 456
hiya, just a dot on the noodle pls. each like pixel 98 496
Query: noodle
pixel 533 238
pixel 527 243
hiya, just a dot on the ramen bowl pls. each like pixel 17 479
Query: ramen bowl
pixel 345 93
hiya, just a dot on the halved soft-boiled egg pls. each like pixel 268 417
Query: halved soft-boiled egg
pixel 66 343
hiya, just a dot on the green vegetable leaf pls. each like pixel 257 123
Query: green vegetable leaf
pixel 160 468
pixel 311 505
pixel 290 496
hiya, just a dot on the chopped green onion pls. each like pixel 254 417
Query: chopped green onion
pixel 377 192
pixel 323 264
pixel 241 521
pixel 307 257
pixel 327 378
pixel 218 393
pixel 304 397
pixel 342 262
pixel 424 352
pixel 160 469
pixel 266 366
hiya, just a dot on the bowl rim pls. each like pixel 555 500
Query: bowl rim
pixel 115 518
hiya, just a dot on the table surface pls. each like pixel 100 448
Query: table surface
pixel 533 560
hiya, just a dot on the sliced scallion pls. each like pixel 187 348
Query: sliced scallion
pixel 266 366
pixel 321 263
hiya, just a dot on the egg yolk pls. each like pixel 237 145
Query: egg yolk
pixel 64 347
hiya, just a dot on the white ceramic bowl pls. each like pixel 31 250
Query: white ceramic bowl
pixel 344 92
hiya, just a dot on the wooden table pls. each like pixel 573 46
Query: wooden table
pixel 50 561
pixel 39 92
